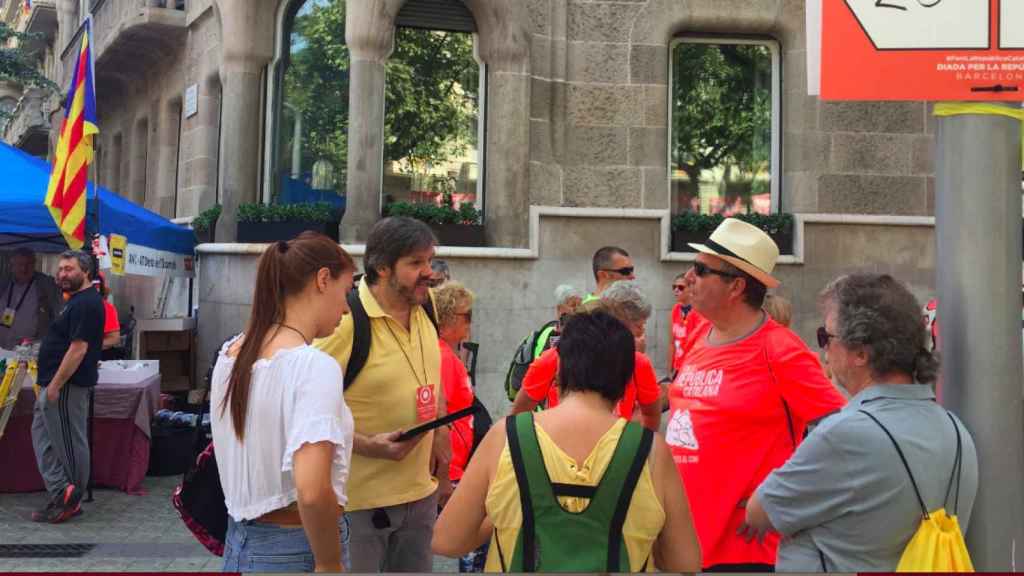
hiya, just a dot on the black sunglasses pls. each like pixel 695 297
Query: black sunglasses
pixel 824 337
pixel 702 270
pixel 624 271
pixel 678 287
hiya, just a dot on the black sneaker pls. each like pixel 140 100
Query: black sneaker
pixel 48 512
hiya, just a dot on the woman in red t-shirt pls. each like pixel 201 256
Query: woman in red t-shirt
pixel 624 301
pixel 454 306
pixel 677 325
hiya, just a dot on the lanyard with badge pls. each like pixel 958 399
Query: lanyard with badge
pixel 7 320
pixel 426 404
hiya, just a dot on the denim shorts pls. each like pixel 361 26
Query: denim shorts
pixel 258 547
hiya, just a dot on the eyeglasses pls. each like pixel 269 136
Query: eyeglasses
pixel 824 336
pixel 468 315
pixel 702 270
pixel 678 287
pixel 624 271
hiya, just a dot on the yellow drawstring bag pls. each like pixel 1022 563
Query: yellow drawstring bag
pixel 938 545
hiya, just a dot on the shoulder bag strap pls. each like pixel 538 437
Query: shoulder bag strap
pixel 913 483
pixel 361 338
pixel 957 468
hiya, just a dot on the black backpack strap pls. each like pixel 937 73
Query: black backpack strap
pixel 913 483
pixel 428 307
pixel 527 529
pixel 361 338
pixel 626 496
pixel 957 468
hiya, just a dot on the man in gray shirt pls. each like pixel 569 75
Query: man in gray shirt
pixel 845 501
pixel 29 301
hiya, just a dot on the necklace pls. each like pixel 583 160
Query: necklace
pixel 296 330
pixel 408 360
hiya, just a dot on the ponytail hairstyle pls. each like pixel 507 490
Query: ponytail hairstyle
pixel 284 270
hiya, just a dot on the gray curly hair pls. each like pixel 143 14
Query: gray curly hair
pixel 627 296
pixel 565 292
pixel 878 313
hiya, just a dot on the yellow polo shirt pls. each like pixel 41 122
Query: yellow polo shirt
pixel 383 398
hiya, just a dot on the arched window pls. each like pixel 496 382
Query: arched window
pixel 434 104
pixel 310 154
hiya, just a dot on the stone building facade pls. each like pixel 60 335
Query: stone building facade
pixel 576 146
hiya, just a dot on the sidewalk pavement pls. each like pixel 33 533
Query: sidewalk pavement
pixel 126 533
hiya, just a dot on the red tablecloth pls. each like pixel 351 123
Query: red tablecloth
pixel 120 453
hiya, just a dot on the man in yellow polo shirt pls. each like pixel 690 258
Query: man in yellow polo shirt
pixel 393 486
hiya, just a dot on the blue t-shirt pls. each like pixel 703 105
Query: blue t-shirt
pixel 81 319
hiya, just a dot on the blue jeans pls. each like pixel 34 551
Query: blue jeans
pixel 257 547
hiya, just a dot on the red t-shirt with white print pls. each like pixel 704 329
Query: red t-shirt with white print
pixel 738 410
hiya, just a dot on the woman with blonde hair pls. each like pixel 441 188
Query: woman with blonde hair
pixel 280 425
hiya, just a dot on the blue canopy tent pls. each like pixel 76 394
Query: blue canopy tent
pixel 148 243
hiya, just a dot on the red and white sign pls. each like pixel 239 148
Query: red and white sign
pixel 919 49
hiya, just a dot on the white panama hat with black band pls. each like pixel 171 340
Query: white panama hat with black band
pixel 746 247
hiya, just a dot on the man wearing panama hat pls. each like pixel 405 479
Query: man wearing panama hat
pixel 743 396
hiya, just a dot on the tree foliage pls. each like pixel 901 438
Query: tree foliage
pixel 721 107
pixel 430 98
pixel 17 64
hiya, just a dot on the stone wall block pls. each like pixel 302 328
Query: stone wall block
pixel 540 56
pixel 655 187
pixel 598 62
pixel 540 141
pixel 540 98
pixel 595 145
pixel 601 21
pixel 799 111
pixel 605 105
pixel 656 105
pixel 545 184
pixel 870 153
pixel 540 16
pixel 648 146
pixel 799 192
pixel 891 117
pixel 802 151
pixel 593 186
pixel 867 194
pixel 923 156
pixel 648 64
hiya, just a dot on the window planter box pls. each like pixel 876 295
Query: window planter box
pixel 265 232
pixel 205 236
pixel 681 240
pixel 459 234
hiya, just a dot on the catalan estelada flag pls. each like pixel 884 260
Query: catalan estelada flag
pixel 66 195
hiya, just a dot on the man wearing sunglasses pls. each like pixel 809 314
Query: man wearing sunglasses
pixel 610 264
pixel 744 393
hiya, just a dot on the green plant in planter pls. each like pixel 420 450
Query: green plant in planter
pixel 431 213
pixel 206 219
pixel 773 224
pixel 318 212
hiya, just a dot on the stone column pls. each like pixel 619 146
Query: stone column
pixel 247 44
pixel 504 47
pixel 370 37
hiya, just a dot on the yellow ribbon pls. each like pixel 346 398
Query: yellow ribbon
pixel 984 109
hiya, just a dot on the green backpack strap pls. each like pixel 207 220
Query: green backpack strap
pixel 636 441
pixel 519 428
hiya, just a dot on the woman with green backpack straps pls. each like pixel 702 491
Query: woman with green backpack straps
pixel 575 488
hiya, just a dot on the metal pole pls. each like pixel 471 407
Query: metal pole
pixel 978 229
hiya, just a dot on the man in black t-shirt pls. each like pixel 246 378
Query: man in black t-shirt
pixel 68 368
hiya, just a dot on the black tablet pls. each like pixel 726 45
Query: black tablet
pixel 443 421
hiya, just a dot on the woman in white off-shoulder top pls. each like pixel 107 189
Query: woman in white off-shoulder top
pixel 280 424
